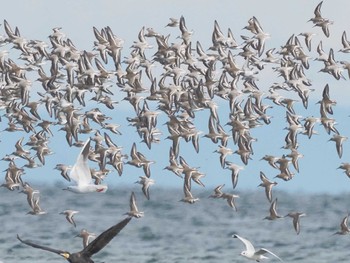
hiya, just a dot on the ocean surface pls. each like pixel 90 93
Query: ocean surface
pixel 173 231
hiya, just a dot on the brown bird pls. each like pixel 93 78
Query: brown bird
pixel 267 184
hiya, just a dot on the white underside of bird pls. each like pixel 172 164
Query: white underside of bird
pixel 253 254
pixel 81 174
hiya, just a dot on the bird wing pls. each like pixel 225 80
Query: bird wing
pixel 133 206
pixel 133 152
pixel 145 190
pixel 325 93
pixel 249 247
pixel 262 251
pixel 109 141
pixel 317 10
pixel 296 224
pixel 217 190
pixel 103 239
pixel 273 207
pixel 80 172
pixel 268 192
pixel 56 251
pixel 344 224
pixel 263 177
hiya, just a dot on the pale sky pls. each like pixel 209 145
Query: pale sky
pixel 281 19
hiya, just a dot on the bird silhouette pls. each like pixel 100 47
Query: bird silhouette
pixel 84 256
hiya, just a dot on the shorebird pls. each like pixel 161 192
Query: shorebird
pixel 296 220
pixel 326 103
pixel 253 254
pixel 64 170
pixel 10 184
pixel 185 33
pixel 235 169
pixel 174 22
pixel 260 35
pixel 86 236
pixel 146 183
pixel 224 152
pixel 84 256
pixel 36 209
pixel 324 24
pixel 309 125
pixel 271 160
pixel 320 21
pixel 174 166
pixel 81 174
pixel 344 229
pixel 230 198
pixel 188 196
pixel 134 212
pixel 346 168
pixel 139 160
pixel 295 155
pixel 317 12
pixel 267 184
pixel 273 213
pixel 308 36
pixel 217 192
pixel 332 67
pixel 69 216
pixel 339 140
pixel 346 44
pixel 32 194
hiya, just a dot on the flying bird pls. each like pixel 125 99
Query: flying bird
pixel 146 183
pixel 84 256
pixel 69 216
pixel 81 174
pixel 344 229
pixel 273 212
pixel 134 212
pixel 267 184
pixel 296 220
pixel 253 254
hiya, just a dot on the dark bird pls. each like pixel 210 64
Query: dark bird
pixel 84 256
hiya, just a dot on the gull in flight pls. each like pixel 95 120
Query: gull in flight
pixel 253 254
pixel 81 174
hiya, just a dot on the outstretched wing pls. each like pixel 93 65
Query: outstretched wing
pixel 56 251
pixel 262 251
pixel 249 247
pixel 103 239
pixel 80 172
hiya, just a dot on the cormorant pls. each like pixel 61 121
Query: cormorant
pixel 84 256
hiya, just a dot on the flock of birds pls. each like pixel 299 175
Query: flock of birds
pixel 193 79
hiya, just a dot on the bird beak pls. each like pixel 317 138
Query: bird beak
pixel 65 255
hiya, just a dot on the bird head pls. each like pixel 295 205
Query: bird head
pixel 66 255
pixel 244 253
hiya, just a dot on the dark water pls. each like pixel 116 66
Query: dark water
pixel 172 231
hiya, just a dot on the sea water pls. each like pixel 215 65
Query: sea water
pixel 173 231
